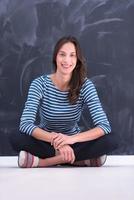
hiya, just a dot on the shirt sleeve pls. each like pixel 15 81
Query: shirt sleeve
pixel 28 118
pixel 93 103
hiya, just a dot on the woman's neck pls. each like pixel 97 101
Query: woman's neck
pixel 61 81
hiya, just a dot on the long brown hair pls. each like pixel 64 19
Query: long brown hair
pixel 79 72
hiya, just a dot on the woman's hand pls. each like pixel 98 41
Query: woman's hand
pixel 67 154
pixel 61 143
pixel 59 140
pixel 53 135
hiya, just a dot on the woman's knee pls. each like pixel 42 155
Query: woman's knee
pixel 17 140
pixel 112 141
pixel 13 140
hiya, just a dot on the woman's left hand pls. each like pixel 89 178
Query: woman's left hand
pixel 60 140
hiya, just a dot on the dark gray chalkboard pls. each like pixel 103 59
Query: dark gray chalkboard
pixel 105 29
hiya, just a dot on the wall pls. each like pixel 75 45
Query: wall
pixel 105 29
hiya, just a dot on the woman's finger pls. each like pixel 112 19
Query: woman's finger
pixel 59 142
pixel 73 158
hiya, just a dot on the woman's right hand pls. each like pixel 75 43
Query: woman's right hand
pixel 67 154
pixel 53 135
pixel 65 151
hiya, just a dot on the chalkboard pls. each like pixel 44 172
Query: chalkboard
pixel 105 29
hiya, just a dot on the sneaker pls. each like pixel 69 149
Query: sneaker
pixel 27 160
pixel 98 162
pixel 93 162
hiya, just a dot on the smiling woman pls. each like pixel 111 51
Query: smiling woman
pixel 60 98
pixel 68 55
pixel 66 59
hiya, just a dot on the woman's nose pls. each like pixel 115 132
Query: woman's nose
pixel 67 59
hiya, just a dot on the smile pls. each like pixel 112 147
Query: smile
pixel 66 66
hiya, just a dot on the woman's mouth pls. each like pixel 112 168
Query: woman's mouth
pixel 66 66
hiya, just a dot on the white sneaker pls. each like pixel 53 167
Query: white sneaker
pixel 27 160
pixel 93 162
pixel 98 162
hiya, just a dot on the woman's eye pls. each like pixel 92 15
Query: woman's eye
pixel 62 54
pixel 73 55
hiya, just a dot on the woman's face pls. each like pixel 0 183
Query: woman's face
pixel 66 59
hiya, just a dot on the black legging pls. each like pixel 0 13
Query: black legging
pixel 82 151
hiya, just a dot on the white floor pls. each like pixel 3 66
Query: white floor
pixel 113 181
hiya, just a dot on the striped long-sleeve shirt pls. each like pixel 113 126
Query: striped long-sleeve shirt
pixel 56 113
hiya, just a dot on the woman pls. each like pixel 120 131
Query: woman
pixel 60 98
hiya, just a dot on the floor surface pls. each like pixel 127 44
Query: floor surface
pixel 113 181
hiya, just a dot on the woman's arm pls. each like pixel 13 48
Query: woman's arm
pixel 40 134
pixel 89 135
pixel 28 118
pixel 60 140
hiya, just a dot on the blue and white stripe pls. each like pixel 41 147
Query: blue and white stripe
pixel 56 113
